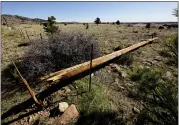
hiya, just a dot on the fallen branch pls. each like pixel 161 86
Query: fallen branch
pixel 27 85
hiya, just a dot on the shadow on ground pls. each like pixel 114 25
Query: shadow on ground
pixel 101 118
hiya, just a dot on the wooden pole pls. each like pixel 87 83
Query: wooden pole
pixel 27 34
pixel 6 22
pixel 27 85
pixel 40 36
pixel 80 68
pixel 22 34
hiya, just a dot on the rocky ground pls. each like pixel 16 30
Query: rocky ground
pixel 114 77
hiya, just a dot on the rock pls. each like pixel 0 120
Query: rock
pixel 168 74
pixel 70 114
pixel 9 28
pixel 62 106
pixel 136 110
pixel 115 68
pixel 123 74
pixel 121 87
pixel 149 63
pixel 158 58
pixel 135 31
pixel 67 90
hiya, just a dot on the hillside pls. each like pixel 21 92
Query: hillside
pixel 16 19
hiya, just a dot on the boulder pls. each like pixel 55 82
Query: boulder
pixel 70 114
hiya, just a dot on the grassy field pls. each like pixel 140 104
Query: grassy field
pixel 113 93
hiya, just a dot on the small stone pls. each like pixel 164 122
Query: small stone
pixel 9 28
pixel 123 74
pixel 147 63
pixel 136 110
pixel 168 74
pixel 158 58
pixel 62 106
pixel 67 90
pixel 30 119
pixel 121 87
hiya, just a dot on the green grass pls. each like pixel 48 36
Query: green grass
pixel 170 50
pixel 159 95
pixel 95 100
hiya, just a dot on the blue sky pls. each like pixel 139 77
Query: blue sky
pixel 88 11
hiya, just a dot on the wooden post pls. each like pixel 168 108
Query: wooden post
pixel 41 36
pixel 27 34
pixel 22 34
pixel 6 22
pixel 91 66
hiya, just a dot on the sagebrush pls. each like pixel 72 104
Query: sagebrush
pixel 59 51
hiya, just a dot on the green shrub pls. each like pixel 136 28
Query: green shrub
pixel 95 100
pixel 159 94
pixel 49 26
pixel 170 49
pixel 97 20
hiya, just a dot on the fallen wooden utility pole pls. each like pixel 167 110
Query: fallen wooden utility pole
pixel 65 76
pixel 80 68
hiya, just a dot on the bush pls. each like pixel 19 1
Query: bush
pixel 87 26
pixel 160 27
pixel 147 25
pixel 158 94
pixel 125 59
pixel 58 52
pixel 117 22
pixel 170 49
